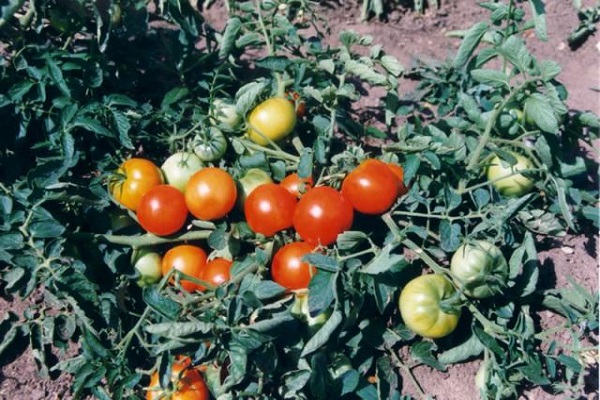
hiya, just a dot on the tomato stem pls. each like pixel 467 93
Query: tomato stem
pixel 142 240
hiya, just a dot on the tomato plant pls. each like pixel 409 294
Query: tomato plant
pixel 480 268
pixel 225 115
pixel 272 120
pixel 289 270
pixel 321 215
pixel 296 185
pixel 148 263
pixel 133 179
pixel 162 210
pixel 269 209
pixel 178 168
pixel 185 383
pixel 188 259
pixel 505 176
pixel 371 187
pixel 425 307
pixel 210 194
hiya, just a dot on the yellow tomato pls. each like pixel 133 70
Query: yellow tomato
pixel 273 119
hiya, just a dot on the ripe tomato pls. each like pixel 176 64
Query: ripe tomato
pixel 371 187
pixel 321 215
pixel 178 168
pixel 162 210
pixel 505 177
pixel 216 271
pixel 295 185
pixel 148 264
pixel 252 179
pixel 398 172
pixel 269 209
pixel 187 382
pixel 420 306
pixel 481 268
pixel 191 260
pixel 135 177
pixel 210 194
pixel 271 120
pixel 288 269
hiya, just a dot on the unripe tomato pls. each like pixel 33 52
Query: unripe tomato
pixel 421 309
pixel 134 178
pixel 216 271
pixel 178 168
pixel 371 187
pixel 210 144
pixel 288 269
pixel 398 172
pixel 210 194
pixel 187 383
pixel 189 259
pixel 480 267
pixel 301 311
pixel 321 215
pixel 225 115
pixel 295 185
pixel 269 209
pixel 252 179
pixel 505 177
pixel 148 264
pixel 272 120
pixel 162 210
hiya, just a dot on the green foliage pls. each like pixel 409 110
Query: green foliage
pixel 114 79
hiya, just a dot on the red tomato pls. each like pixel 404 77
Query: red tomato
pixel 269 209
pixel 299 104
pixel 371 187
pixel 162 210
pixel 295 185
pixel 134 178
pixel 216 271
pixel 188 383
pixel 321 215
pixel 191 260
pixel 210 194
pixel 288 269
pixel 398 171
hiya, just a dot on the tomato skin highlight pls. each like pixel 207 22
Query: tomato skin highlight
pixel 480 267
pixel 420 307
pixel 505 177
pixel 140 175
pixel 216 272
pixel 273 119
pixel 296 185
pixel 372 187
pixel 187 381
pixel 288 269
pixel 210 194
pixel 321 215
pixel 269 209
pixel 162 210
pixel 189 259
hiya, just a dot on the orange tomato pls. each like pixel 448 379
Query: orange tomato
pixel 187 383
pixel 210 194
pixel 191 260
pixel 134 178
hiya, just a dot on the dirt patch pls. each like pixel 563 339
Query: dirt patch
pixel 408 36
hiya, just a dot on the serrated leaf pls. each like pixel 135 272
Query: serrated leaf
pixel 469 43
pixel 265 290
pixel 384 261
pixel 472 347
pixel 323 335
pixel 490 77
pixel 365 72
pixel 549 70
pixel 423 352
pixel 272 324
pixel 538 108
pixel 174 96
pixel 228 39
pixel 515 51
pixel 162 305
pixel 321 261
pixel 392 65
pixel 450 235
pixel 538 12
pixel 321 291
pixel 178 329
pixel 247 95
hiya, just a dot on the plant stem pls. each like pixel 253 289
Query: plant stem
pixel 399 363
pixel 142 240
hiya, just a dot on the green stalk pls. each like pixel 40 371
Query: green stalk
pixel 141 240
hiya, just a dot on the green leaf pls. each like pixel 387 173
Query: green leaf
pixel 384 261
pixel 8 8
pixel 549 70
pixel 538 108
pixel 228 39
pixel 451 235
pixel 173 96
pixel 349 239
pixel 490 77
pixel 265 290
pixel 323 335
pixel 423 351
pixel 162 305
pixel 472 347
pixel 247 95
pixel 365 72
pixel 321 292
pixel 178 329
pixel 322 262
pixel 272 324
pixel 392 65
pixel 469 43
pixel 515 51
pixel 538 12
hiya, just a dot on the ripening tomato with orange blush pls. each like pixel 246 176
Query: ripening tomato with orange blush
pixel 187 383
pixel 186 258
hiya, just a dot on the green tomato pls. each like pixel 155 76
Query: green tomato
pixel 480 268
pixel 505 177
pixel 210 145
pixel 421 306
pixel 272 120
pixel 225 115
pixel 301 311
pixel 252 179
pixel 178 168
pixel 148 264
